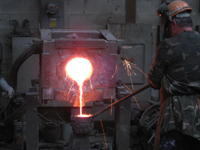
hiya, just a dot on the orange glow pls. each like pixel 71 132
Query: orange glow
pixel 84 115
pixel 79 69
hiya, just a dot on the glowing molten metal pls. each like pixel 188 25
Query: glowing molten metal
pixel 79 69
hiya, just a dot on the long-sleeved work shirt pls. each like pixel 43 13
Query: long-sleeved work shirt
pixel 176 71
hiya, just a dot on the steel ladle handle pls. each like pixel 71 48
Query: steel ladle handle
pixel 120 100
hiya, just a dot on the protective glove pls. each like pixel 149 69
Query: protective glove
pixel 4 86
pixel 10 91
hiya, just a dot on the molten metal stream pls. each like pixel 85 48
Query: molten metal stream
pixel 79 69
pixel 80 98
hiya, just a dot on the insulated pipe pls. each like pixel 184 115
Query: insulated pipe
pixel 120 100
pixel 34 49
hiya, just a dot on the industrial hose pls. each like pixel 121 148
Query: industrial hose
pixel 34 49
pixel 120 100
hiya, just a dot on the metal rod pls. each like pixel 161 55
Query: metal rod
pixel 120 100
pixel 60 117
pixel 44 117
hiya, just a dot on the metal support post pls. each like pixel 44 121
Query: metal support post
pixel 31 121
pixel 122 120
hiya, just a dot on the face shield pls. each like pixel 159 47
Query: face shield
pixel 163 21
pixel 163 13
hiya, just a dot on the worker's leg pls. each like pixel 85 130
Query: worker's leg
pixel 195 144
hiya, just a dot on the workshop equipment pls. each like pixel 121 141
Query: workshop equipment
pixel 55 90
pixel 56 48
pixel 51 132
pixel 53 98
pixel 81 127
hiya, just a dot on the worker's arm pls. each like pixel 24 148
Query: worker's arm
pixel 161 61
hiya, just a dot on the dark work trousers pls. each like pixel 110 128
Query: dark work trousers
pixel 175 140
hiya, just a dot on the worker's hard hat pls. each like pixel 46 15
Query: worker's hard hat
pixel 168 11
pixel 177 8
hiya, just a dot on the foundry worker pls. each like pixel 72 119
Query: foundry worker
pixel 176 72
pixel 5 87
